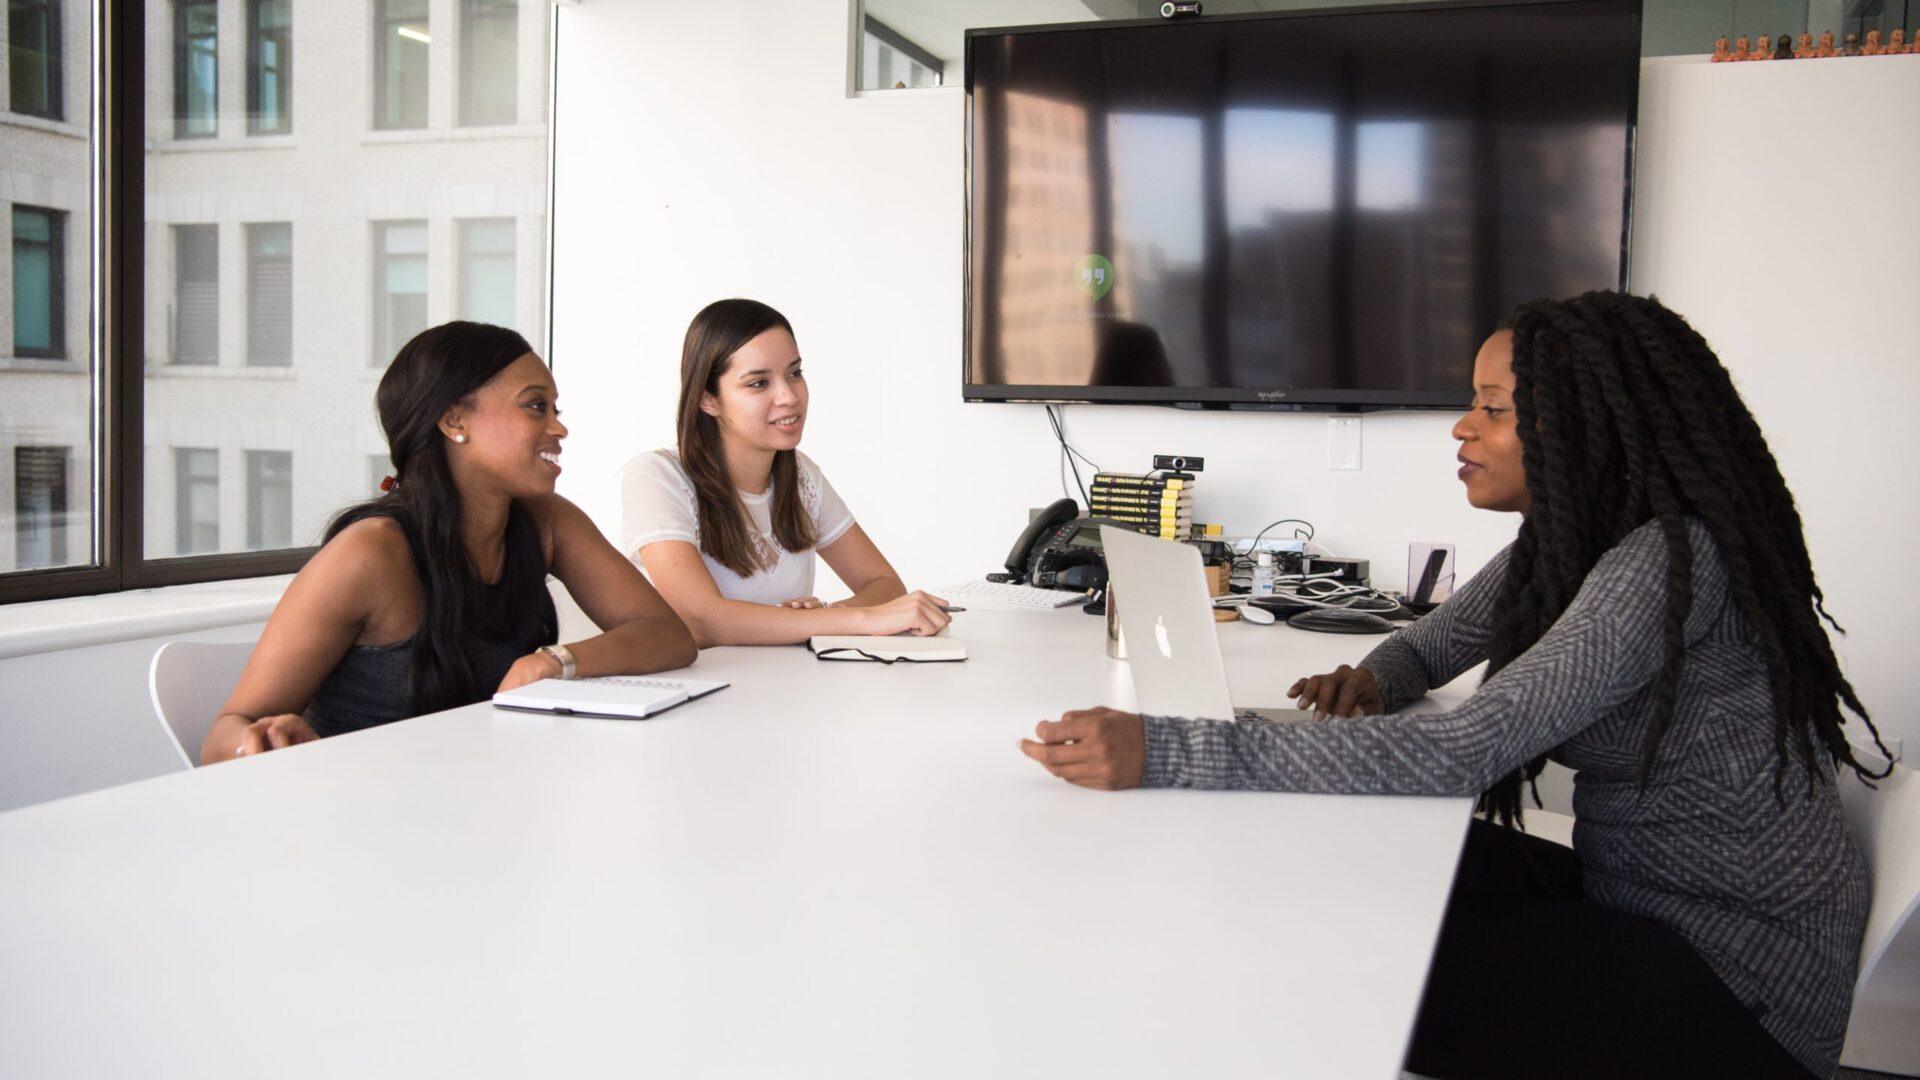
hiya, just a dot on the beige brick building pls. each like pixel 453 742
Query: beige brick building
pixel 323 178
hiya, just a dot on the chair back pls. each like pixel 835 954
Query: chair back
pixel 1884 1032
pixel 189 681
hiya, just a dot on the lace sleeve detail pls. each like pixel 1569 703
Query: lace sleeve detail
pixel 831 518
pixel 656 503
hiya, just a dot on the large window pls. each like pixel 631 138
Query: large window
pixel 889 60
pixel 400 64
pixel 196 69
pixel 196 294
pixel 39 282
pixel 486 271
pixel 269 67
pixel 196 498
pixel 265 276
pixel 270 294
pixel 400 276
pixel 40 506
pixel 269 499
pixel 49 410
pixel 489 61
pixel 33 58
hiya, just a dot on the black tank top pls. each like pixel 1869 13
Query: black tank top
pixel 372 684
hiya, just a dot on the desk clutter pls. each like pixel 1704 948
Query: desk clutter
pixel 1157 504
pixel 1784 47
pixel 1290 582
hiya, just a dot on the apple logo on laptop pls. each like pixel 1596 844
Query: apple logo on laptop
pixel 1160 636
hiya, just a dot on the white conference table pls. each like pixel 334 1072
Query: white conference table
pixel 828 869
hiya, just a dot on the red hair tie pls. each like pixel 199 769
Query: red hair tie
pixel 388 483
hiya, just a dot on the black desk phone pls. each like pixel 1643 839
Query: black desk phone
pixel 1059 549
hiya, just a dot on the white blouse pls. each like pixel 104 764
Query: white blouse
pixel 657 503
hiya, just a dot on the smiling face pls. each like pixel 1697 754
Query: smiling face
pixel 1490 458
pixel 760 400
pixel 512 431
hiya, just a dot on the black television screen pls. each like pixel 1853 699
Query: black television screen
pixel 1322 210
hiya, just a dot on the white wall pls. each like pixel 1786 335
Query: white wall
pixel 744 169
pixel 711 150
pixel 1803 270
pixel 76 720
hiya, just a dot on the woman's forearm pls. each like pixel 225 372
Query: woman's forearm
pixel 223 739
pixel 878 591
pixel 637 647
pixel 739 622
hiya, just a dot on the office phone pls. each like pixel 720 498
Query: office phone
pixel 1058 549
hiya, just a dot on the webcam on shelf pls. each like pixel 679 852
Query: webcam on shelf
pixel 1173 9
pixel 1180 463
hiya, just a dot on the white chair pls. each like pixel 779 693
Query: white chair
pixel 1884 1032
pixel 189 681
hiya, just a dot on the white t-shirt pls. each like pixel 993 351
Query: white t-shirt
pixel 657 503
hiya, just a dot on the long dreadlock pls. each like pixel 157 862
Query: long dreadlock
pixel 1626 416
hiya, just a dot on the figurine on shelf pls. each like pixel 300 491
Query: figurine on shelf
pixel 1740 49
pixel 1897 42
pixel 1873 46
pixel 1826 45
pixel 1720 53
pixel 1851 47
pixel 1783 47
pixel 1804 50
pixel 1762 48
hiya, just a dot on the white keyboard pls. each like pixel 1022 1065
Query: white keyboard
pixel 993 596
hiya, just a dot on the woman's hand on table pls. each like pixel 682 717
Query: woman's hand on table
pixel 274 733
pixel 803 603
pixel 916 613
pixel 530 668
pixel 1097 748
pixel 1344 691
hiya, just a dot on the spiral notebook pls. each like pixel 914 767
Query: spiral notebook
pixel 618 697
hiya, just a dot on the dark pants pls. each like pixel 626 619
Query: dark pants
pixel 1530 981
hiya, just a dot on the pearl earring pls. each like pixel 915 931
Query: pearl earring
pixel 459 438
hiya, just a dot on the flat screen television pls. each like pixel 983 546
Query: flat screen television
pixel 1322 210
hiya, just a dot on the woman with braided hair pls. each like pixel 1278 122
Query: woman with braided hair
pixel 1655 627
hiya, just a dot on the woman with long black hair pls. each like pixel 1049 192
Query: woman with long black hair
pixel 434 595
pixel 1656 628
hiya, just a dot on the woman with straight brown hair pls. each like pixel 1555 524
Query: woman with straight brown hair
pixel 726 527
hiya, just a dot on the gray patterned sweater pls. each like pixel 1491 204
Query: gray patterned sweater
pixel 1773 894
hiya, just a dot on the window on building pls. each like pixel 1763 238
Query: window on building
pixel 889 61
pixel 33 58
pixel 489 61
pixel 400 291
pixel 486 271
pixel 215 365
pixel 39 282
pixel 269 67
pixel 400 64
pixel 196 294
pixel 269 500
pixel 196 500
pixel 40 506
pixel 196 69
pixel 270 294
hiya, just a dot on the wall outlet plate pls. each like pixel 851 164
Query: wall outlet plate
pixel 1343 443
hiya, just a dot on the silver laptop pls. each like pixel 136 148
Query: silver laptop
pixel 1166 616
